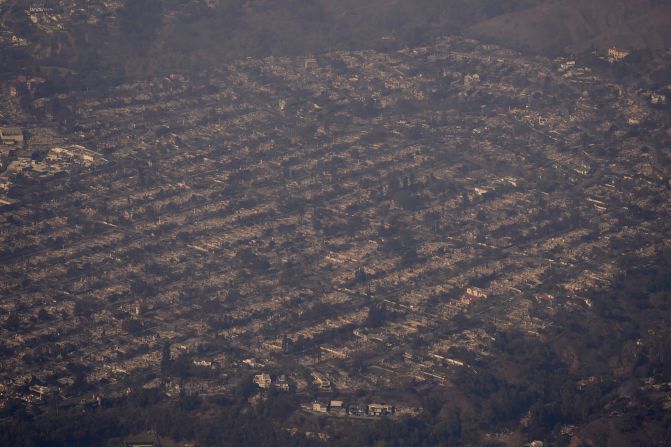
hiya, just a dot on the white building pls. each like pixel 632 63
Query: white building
pixel 263 381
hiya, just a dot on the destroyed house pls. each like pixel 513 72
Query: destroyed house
pixel 320 407
pixel 380 409
pixel 356 410
pixel 11 135
pixel 337 407
pixel 282 383
pixel 474 292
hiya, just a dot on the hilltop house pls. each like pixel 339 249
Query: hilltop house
pixel 263 381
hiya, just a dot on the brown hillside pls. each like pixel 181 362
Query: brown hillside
pixel 579 25
pixel 651 30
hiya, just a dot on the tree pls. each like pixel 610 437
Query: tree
pixel 360 275
pixel 166 359
pixel 377 315
pixel 245 387
pixel 132 326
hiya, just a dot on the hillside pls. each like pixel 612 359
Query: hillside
pixel 138 38
pixel 577 26
pixel 115 40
